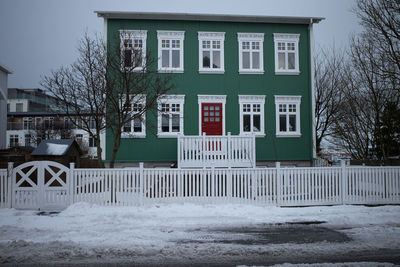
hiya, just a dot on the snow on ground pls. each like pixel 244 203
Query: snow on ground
pixel 86 233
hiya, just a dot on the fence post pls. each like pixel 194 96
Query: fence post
pixel 71 182
pixel 229 182
pixel 278 183
pixel 203 148
pixel 141 180
pixel 343 181
pixel 228 149
pixel 180 156
pixel 254 149
pixel 10 185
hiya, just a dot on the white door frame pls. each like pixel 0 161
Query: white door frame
pixel 211 99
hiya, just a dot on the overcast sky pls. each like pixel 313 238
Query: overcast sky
pixel 37 36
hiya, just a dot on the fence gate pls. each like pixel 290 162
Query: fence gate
pixel 40 185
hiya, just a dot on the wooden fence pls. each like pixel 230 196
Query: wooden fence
pixel 266 186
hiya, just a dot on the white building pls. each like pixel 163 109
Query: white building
pixel 33 116
pixel 3 104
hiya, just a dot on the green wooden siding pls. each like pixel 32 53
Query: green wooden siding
pixel 191 83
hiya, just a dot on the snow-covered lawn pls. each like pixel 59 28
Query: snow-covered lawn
pixel 181 233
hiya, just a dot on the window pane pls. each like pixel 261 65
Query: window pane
pixel 216 59
pixel 281 61
pixel 282 123
pixel 246 60
pixel 292 123
pixel 175 59
pixel 175 122
pixel 165 59
pixel 206 59
pixel 256 123
pixel 165 123
pixel 137 125
pixel 128 58
pixel 256 60
pixel 127 127
pixel 291 63
pixel 246 123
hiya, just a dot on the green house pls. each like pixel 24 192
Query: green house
pixel 244 89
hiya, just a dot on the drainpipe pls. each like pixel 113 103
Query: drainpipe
pixel 314 134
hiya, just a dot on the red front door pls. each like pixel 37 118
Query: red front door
pixel 211 118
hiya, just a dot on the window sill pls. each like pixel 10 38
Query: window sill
pixel 211 71
pixel 257 135
pixel 133 136
pixel 251 71
pixel 288 135
pixel 170 70
pixel 283 72
pixel 168 135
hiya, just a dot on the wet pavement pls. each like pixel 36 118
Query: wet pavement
pixel 263 234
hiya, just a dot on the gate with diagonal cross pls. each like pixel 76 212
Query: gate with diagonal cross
pixel 42 185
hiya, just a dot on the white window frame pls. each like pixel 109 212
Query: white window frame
pixel 13 137
pixel 211 99
pixel 211 36
pixel 288 100
pixel 170 35
pixel 250 100
pixel 133 35
pixel 170 99
pixel 251 37
pixel 287 38
pixel 139 99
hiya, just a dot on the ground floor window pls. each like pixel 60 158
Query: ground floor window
pixel 14 140
pixel 288 116
pixel 28 140
pixel 92 142
pixel 136 127
pixel 170 115
pixel 252 114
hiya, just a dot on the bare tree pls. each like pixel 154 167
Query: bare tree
pixel 329 83
pixel 372 81
pixel 81 89
pixel 105 84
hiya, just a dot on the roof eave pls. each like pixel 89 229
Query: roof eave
pixel 4 69
pixel 207 17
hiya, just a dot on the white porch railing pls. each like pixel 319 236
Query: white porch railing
pixel 217 151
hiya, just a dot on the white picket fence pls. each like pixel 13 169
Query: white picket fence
pixel 266 186
pixel 219 151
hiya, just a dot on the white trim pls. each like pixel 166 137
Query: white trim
pixel 251 37
pixel 287 38
pixel 211 36
pixel 171 35
pixel 134 35
pixel 170 99
pixel 314 134
pixel 252 99
pixel 212 99
pixel 287 100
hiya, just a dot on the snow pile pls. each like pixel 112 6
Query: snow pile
pixel 56 149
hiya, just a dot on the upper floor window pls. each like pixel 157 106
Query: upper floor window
pixel 136 127
pixel 286 53
pixel 287 116
pixel 14 140
pixel 170 51
pixel 170 115
pixel 133 49
pixel 211 52
pixel 28 123
pixel 251 52
pixel 252 114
